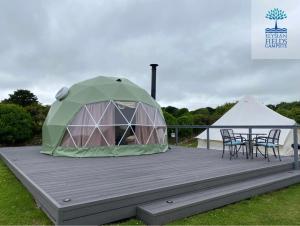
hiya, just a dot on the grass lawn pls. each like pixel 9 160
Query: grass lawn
pixel 191 143
pixel 16 204
pixel 277 208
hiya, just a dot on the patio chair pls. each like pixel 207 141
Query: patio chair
pixel 270 141
pixel 238 137
pixel 232 141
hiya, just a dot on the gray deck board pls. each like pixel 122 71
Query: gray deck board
pixel 91 180
pixel 157 207
pixel 160 212
pixel 85 178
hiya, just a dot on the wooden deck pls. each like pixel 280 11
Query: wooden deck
pixel 103 190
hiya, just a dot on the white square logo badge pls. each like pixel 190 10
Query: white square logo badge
pixel 275 32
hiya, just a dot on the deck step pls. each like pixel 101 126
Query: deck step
pixel 165 210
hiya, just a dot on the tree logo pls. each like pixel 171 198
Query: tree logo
pixel 276 37
pixel 276 14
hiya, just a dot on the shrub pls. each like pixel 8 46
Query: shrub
pixel 15 124
pixel 38 114
pixel 170 120
pixel 200 119
pixel 181 112
pixel 186 119
pixel 171 110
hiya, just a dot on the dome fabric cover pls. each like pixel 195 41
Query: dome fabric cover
pixel 104 116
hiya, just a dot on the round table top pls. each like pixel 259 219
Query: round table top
pixel 252 133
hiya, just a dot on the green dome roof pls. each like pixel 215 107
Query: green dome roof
pixel 108 88
pixel 94 90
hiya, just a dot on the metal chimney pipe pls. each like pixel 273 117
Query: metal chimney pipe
pixel 153 80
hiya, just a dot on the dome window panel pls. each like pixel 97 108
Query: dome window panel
pixel 150 111
pixel 80 134
pixel 114 123
pixel 97 139
pixel 109 133
pixel 161 134
pixel 97 110
pixel 153 139
pixel 129 137
pixel 141 117
pixel 83 117
pixel 108 117
pixel 159 121
pixel 143 133
pixel 127 109
pixel 118 117
pixel 67 140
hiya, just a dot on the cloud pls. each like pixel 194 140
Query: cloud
pixel 202 48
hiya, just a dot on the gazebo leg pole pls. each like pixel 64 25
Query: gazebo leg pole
pixel 176 136
pixel 296 157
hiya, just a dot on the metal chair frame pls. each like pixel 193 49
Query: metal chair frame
pixel 233 140
pixel 270 141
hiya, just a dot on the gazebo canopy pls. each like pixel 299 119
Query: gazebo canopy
pixel 249 111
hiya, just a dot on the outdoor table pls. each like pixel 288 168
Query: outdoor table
pixel 249 141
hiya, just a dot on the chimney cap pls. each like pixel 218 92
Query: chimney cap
pixel 153 65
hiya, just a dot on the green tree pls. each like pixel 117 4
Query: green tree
pixel 38 114
pixel 296 114
pixel 220 111
pixel 272 107
pixel 200 119
pixel 202 111
pixel 285 112
pixel 186 119
pixel 22 97
pixel 170 120
pixel 181 112
pixel 171 110
pixel 211 110
pixel 290 110
pixel 15 124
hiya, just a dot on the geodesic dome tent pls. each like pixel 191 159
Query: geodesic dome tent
pixel 104 116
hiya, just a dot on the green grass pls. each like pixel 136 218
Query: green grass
pixel 276 208
pixel 191 143
pixel 16 204
pixel 187 142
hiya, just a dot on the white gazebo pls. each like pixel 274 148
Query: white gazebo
pixel 249 111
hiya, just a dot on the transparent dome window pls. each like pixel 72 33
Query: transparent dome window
pixel 114 123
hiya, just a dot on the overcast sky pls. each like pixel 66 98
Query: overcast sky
pixel 202 48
